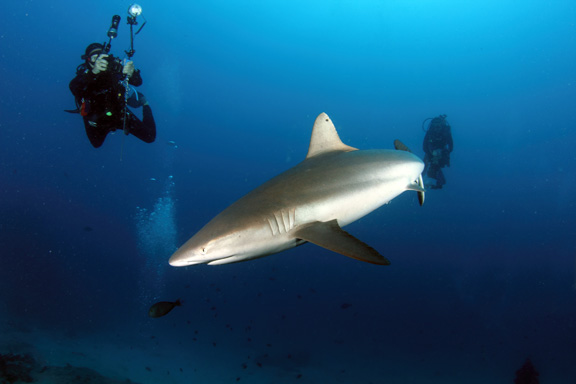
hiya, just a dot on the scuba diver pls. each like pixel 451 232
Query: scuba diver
pixel 101 94
pixel 104 88
pixel 437 147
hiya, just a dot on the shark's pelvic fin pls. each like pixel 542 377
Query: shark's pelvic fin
pixel 329 235
pixel 325 138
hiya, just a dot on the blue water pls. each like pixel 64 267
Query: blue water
pixel 483 276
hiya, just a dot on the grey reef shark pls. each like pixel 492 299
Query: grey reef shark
pixel 334 186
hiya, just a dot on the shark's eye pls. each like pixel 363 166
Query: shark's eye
pixel 203 251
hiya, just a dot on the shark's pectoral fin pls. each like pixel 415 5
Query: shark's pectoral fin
pixel 329 235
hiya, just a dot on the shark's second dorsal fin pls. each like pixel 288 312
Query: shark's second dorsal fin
pixel 325 138
pixel 400 146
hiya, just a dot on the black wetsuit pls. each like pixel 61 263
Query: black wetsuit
pixel 100 99
pixel 437 146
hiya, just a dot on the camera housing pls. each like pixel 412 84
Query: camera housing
pixel 114 64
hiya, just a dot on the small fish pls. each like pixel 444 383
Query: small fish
pixel 172 144
pixel 162 308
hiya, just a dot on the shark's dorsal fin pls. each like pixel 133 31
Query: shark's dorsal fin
pixel 325 138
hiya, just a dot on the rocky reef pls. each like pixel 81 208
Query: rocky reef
pixel 23 368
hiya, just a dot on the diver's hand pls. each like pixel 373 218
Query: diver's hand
pixel 128 69
pixel 100 65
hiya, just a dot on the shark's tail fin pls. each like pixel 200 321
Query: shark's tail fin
pixel 400 146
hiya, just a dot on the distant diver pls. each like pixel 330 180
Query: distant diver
pixel 162 308
pixel 104 87
pixel 527 374
pixel 437 147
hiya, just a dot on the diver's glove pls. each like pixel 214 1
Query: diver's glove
pixel 100 65
pixel 128 69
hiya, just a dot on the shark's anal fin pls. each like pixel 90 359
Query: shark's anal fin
pixel 329 235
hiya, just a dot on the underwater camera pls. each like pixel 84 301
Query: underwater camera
pixel 114 64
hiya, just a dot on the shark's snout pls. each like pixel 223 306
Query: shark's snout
pixel 178 262
pixel 183 257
